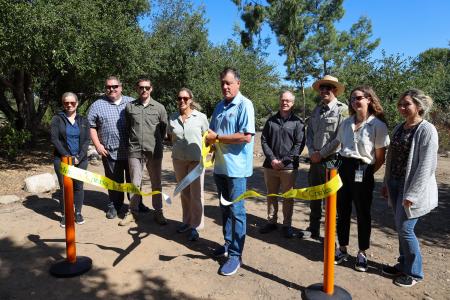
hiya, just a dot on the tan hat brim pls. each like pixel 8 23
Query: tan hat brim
pixel 339 86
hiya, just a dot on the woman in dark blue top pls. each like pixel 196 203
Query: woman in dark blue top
pixel 70 137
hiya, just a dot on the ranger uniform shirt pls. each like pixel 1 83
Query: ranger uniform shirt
pixel 323 124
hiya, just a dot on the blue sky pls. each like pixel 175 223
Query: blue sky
pixel 406 27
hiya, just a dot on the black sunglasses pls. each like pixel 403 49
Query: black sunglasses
pixel 357 98
pixel 113 87
pixel 147 88
pixel 325 87
pixel 183 98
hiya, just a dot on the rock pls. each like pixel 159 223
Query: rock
pixel 92 153
pixel 6 199
pixel 40 183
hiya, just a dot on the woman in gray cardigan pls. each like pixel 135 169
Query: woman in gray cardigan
pixel 410 182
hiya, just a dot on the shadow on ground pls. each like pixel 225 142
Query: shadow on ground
pixel 31 278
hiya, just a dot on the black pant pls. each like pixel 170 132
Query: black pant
pixel 78 192
pixel 316 176
pixel 115 170
pixel 359 193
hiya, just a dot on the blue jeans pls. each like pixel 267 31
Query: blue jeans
pixel 410 259
pixel 234 218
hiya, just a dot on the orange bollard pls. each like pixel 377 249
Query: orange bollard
pixel 71 250
pixel 73 265
pixel 329 243
pixel 328 290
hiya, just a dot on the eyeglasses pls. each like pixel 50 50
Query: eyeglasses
pixel 326 88
pixel 183 98
pixel 147 88
pixel 73 103
pixel 112 87
pixel 357 98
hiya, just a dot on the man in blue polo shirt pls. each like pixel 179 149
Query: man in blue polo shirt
pixel 232 129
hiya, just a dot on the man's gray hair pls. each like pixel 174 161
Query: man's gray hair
pixel 287 91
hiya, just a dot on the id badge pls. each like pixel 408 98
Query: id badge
pixel 359 175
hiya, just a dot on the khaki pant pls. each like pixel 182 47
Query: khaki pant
pixel 276 180
pixel 136 166
pixel 192 197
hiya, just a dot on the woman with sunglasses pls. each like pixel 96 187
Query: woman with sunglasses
pixel 70 137
pixel 363 138
pixel 186 127
pixel 410 181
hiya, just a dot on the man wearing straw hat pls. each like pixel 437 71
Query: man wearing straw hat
pixel 322 127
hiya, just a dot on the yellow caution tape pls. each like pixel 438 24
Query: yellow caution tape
pixel 205 151
pixel 198 170
pixel 104 182
pixel 317 192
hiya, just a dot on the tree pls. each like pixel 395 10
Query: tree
pixel 432 73
pixel 50 46
pixel 305 30
pixel 185 58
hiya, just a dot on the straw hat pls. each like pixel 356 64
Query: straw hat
pixel 328 79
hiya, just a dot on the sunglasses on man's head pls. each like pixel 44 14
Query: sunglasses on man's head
pixel 112 87
pixel 142 87
pixel 183 98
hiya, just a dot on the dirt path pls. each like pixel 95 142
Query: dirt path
pixel 147 261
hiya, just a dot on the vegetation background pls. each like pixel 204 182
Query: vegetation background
pixel 49 47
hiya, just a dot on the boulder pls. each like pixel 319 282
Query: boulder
pixel 40 183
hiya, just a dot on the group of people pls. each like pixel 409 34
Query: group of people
pixel 129 133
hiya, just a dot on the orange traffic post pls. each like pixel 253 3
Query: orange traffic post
pixel 71 250
pixel 73 265
pixel 330 233
pixel 328 290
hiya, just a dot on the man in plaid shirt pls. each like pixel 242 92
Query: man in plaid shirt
pixel 110 137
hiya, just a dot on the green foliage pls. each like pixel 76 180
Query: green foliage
pixel 12 140
pixel 305 30
pixel 185 58
pixel 49 47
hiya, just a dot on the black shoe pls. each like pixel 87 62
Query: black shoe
pixel 79 219
pixel 391 271
pixel 183 228
pixel 405 281
pixel 287 232
pixel 268 228
pixel 62 223
pixel 193 235
pixel 340 256
pixel 111 213
pixel 143 208
pixel 361 262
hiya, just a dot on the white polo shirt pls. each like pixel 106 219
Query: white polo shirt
pixel 361 144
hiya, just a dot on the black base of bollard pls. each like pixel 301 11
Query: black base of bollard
pixel 315 292
pixel 63 268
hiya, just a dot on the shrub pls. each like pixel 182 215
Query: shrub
pixel 12 140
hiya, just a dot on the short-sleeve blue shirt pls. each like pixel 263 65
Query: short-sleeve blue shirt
pixel 234 160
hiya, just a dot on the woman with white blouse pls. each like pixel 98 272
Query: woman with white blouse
pixel 363 138
pixel 185 131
